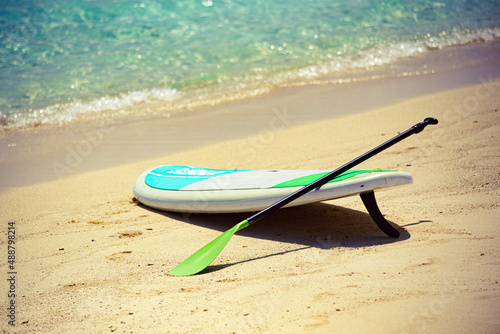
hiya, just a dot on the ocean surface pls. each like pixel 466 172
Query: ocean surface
pixel 64 60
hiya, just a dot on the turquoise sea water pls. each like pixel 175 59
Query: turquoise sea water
pixel 65 60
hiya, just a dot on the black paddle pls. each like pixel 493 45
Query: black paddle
pixel 203 257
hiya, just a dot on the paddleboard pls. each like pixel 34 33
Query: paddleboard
pixel 207 190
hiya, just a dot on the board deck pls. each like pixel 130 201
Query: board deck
pixel 207 190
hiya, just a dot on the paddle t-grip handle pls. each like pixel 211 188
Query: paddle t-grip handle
pixel 421 126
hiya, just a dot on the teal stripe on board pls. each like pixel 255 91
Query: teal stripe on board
pixel 177 177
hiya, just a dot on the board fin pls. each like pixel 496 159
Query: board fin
pixel 370 203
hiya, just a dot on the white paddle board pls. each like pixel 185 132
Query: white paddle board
pixel 206 190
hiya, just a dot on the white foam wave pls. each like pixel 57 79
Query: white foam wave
pixel 385 54
pixel 61 113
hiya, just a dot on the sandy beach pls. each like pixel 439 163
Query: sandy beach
pixel 90 260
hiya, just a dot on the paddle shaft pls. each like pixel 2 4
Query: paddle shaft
pixel 333 174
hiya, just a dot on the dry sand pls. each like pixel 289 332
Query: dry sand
pixel 89 260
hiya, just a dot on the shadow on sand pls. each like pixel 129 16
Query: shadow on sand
pixel 317 225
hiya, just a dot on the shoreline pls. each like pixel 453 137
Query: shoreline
pixel 91 260
pixel 50 153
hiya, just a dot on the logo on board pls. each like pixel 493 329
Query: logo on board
pixel 195 172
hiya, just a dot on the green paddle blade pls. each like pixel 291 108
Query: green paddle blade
pixel 205 255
